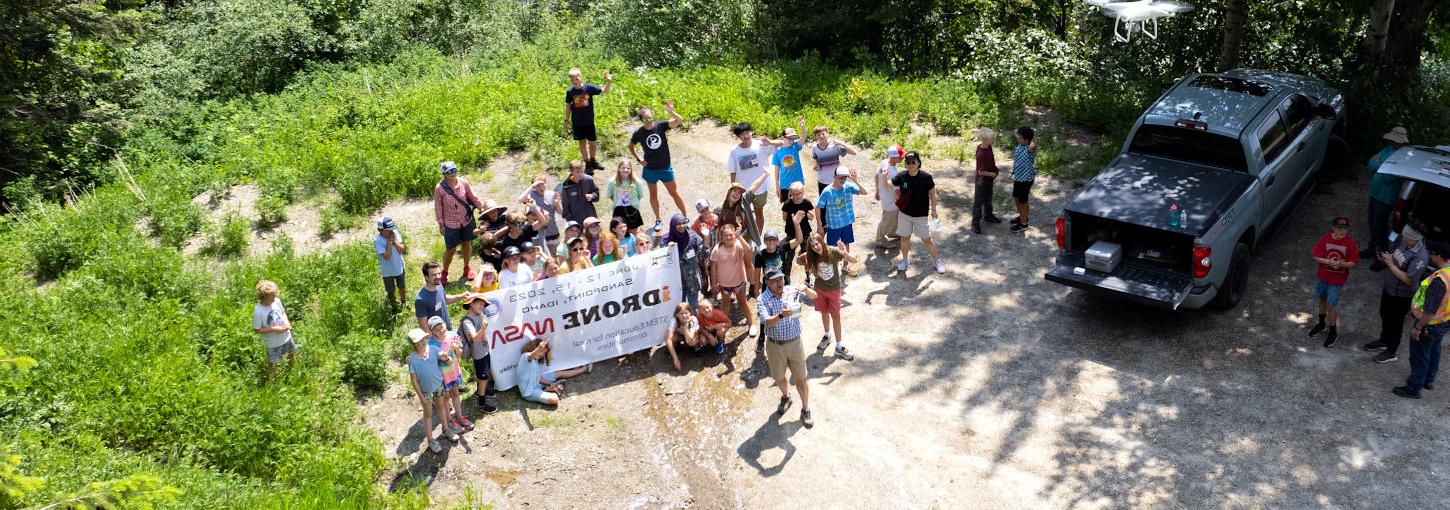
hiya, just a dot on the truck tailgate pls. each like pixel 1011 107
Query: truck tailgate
pixel 1130 282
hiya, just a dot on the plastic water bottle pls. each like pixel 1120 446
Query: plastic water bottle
pixel 1183 218
pixel 935 224
pixel 1173 216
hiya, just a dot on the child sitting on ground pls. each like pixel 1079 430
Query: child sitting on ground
pixel 714 325
pixel 536 382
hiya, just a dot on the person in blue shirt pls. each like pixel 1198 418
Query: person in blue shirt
pixel 425 375
pixel 390 249
pixel 1384 190
pixel 787 161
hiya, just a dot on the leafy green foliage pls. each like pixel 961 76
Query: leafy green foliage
pixel 229 237
pixel 271 211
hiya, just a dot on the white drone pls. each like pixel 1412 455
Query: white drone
pixel 1135 16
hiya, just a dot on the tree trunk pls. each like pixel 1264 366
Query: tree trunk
pixel 1379 28
pixel 1235 16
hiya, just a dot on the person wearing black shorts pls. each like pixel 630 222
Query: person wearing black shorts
pixel 579 116
pixel 1024 172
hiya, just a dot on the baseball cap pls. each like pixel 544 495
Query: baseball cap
pixel 701 205
pixel 436 321
pixel 448 167
pixel 416 335
pixel 790 133
pixel 893 151
pixel 770 233
pixel 773 274
pixel 387 223
pixel 1340 221
pixel 571 224
pixel 842 171
pixel 590 221
pixel 526 246
pixel 511 251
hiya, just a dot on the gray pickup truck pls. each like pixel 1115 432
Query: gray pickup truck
pixel 1204 175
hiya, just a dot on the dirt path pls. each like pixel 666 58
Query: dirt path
pixel 984 387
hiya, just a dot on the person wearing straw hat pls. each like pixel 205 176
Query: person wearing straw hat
pixel 425 375
pixel 492 216
pixel 1384 190
pixel 390 249
pixel 1408 264
pixel 453 205
pixel 473 329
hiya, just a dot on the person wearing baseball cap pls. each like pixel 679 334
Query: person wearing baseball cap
pixel 1408 265
pixel 571 230
pixel 1384 191
pixel 388 245
pixel 425 375
pixel 1336 254
pixel 515 271
pixel 1431 308
pixel 787 161
pixel 886 237
pixel 779 309
pixel 773 255
pixel 836 208
pixel 453 206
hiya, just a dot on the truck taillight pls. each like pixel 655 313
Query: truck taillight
pixel 1202 261
pixel 1061 233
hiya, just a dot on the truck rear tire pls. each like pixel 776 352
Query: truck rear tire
pixel 1236 283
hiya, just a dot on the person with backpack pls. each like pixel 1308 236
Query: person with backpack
pixel 473 329
pixel 453 206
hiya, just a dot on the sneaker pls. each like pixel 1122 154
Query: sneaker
pixel 453 437
pixel 901 266
pixel 1020 227
pixel 784 404
pixel 434 446
pixel 806 418
pixel 749 332
pixel 1404 391
pixel 853 271
pixel 485 404
pixel 1331 337
pixel 1375 346
pixel 467 425
pixel 993 219
pixel 1317 329
pixel 1386 357
pixel 453 428
pixel 443 278
pixel 939 267
pixel 658 224
pixel 467 273
pixel 825 342
pixel 844 354
pixel 1015 221
pixel 720 348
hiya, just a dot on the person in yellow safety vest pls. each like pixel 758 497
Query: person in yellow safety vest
pixel 1431 308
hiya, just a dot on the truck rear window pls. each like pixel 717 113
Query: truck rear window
pixel 1189 145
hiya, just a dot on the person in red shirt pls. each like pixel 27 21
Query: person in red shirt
pixel 714 325
pixel 1336 254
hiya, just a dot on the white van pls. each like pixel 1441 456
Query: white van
pixel 1425 194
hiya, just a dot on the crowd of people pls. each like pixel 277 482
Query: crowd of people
pixel 729 255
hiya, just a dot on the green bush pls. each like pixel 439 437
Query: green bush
pixel 229 237
pixel 173 221
pixel 364 362
pixel 271 211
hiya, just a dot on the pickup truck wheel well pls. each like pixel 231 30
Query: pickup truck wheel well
pixel 1249 239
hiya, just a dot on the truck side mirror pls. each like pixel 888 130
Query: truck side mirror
pixel 1325 111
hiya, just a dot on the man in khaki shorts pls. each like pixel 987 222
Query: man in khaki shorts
pixel 780 308
pixel 918 200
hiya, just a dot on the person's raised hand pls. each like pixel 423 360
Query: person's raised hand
pixel 669 106
pixel 798 216
pixel 608 76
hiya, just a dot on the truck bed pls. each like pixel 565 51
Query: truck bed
pixel 1140 190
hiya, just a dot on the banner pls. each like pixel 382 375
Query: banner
pixel 587 316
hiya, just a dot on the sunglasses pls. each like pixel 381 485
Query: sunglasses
pixel 519 225
pixel 579 249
